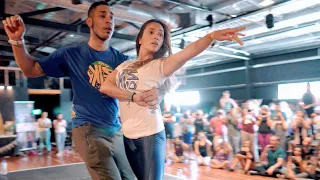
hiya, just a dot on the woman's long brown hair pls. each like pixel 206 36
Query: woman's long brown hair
pixel 171 83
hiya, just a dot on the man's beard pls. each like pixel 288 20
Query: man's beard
pixel 101 38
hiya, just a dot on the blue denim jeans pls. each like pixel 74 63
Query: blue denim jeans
pixel 60 140
pixel 146 156
pixel 45 137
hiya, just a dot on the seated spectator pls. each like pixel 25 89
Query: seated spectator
pixel 179 146
pixel 202 147
pixel 275 156
pixel 296 165
pixel 222 154
pixel 245 157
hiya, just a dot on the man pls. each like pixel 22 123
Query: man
pixel 226 102
pixel 96 128
pixel 218 124
pixel 275 156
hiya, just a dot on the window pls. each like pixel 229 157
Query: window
pixel 182 98
pixel 296 90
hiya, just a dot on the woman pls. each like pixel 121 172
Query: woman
pixel 202 148
pixel 247 131
pixel 265 123
pixel 245 157
pixel 143 128
pixel 179 147
pixel 60 125
pixel 300 126
pixel 279 126
pixel 222 153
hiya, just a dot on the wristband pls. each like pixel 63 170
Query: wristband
pixel 212 35
pixel 16 43
pixel 130 96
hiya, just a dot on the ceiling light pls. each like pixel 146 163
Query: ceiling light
pixel 71 35
pixel 266 3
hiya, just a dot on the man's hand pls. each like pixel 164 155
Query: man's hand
pixel 151 98
pixel 137 98
pixel 14 27
pixel 270 171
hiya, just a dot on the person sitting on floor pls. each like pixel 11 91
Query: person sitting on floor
pixel 245 157
pixel 296 165
pixel 179 146
pixel 275 156
pixel 222 154
pixel 202 146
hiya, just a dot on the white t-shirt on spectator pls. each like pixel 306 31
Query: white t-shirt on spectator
pixel 44 123
pixel 59 127
pixel 138 121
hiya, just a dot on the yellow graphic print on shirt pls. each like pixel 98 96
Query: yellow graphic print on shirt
pixel 98 72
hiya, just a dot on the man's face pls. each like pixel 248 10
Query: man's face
pixel 273 141
pixel 101 22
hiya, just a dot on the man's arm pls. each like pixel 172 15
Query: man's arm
pixel 15 29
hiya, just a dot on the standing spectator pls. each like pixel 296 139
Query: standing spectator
pixel 308 101
pixel 247 132
pixel 265 123
pixel 60 125
pixel 199 122
pixel 300 126
pixel 45 134
pixel 217 124
pixel 186 123
pixel 231 121
pixel 168 119
pixel 280 126
pixel 226 102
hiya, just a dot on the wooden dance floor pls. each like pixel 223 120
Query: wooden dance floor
pixel 48 165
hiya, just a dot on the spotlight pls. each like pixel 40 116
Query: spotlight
pixel 210 20
pixel 76 2
pixel 270 21
pixel 182 44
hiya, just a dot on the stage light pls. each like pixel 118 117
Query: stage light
pixel 270 21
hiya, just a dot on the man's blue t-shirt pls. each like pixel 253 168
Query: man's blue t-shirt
pixel 87 69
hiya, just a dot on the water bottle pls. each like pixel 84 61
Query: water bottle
pixel 4 169
pixel 180 173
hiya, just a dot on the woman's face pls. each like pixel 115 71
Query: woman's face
pixel 297 151
pixel 152 38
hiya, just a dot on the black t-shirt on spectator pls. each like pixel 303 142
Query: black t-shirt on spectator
pixel 264 128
